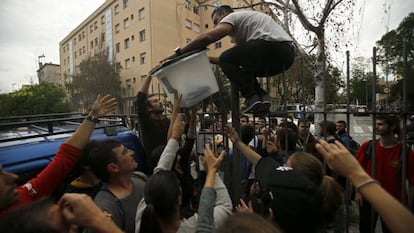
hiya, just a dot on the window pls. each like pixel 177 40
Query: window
pixel 188 23
pixel 196 28
pixel 95 25
pixel 76 54
pixel 96 41
pixel 91 43
pixel 102 19
pixel 125 4
pixel 143 58
pixel 206 25
pixel 84 49
pixel 127 63
pixel 91 28
pixel 117 47
pixel 141 13
pixel 132 37
pixel 217 44
pixel 187 4
pixel 142 35
pixel 195 10
pixel 83 35
pixel 116 9
pixel 80 37
pixel 80 51
pixel 126 23
pixel 127 43
pixel 103 36
pixel 133 58
pixel 64 49
pixel 74 41
pixel 117 28
pixel 64 61
pixel 132 16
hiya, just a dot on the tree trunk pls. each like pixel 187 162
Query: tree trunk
pixel 320 78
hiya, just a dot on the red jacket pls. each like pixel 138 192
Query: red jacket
pixel 49 178
pixel 388 171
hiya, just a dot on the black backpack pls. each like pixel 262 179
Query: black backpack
pixel 353 146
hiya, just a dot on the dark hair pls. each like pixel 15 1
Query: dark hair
pixel 84 161
pixel 288 124
pixel 161 194
pixel 222 9
pixel 287 139
pixel 29 218
pixel 245 117
pixel 342 122
pixel 313 169
pixel 303 121
pixel 207 122
pixel 101 155
pixel 273 121
pixel 241 222
pixel 329 127
pixel 392 120
pixel 246 133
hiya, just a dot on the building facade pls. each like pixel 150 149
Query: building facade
pixel 138 35
pixel 49 73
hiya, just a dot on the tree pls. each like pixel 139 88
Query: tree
pixel 96 76
pixel 314 17
pixel 43 98
pixel 390 49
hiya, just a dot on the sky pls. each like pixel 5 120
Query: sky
pixel 33 28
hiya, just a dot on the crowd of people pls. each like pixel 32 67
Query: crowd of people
pixel 292 182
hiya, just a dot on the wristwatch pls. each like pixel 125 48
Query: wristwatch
pixel 92 119
pixel 177 51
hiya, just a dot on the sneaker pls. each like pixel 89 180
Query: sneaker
pixel 264 106
pixel 251 104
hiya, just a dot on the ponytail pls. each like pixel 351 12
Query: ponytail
pixel 333 197
pixel 149 221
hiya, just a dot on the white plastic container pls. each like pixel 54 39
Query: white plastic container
pixel 190 75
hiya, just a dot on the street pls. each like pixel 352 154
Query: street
pixel 360 127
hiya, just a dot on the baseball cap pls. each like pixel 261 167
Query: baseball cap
pixel 295 200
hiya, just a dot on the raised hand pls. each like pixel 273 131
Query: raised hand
pixel 339 158
pixel 232 134
pixel 212 162
pixel 103 105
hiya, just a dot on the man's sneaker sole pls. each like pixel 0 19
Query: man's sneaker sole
pixel 263 108
pixel 252 107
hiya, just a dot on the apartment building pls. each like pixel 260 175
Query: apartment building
pixel 49 73
pixel 138 34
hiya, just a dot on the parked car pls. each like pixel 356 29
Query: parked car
pixel 298 110
pixel 361 110
pixel 27 146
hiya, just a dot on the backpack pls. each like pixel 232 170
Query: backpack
pixel 368 154
pixel 353 146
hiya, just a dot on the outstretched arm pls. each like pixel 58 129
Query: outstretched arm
pixel 69 152
pixel 250 154
pixel 100 108
pixel 145 86
pixel 396 216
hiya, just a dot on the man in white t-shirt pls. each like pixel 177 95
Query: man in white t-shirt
pixel 262 48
